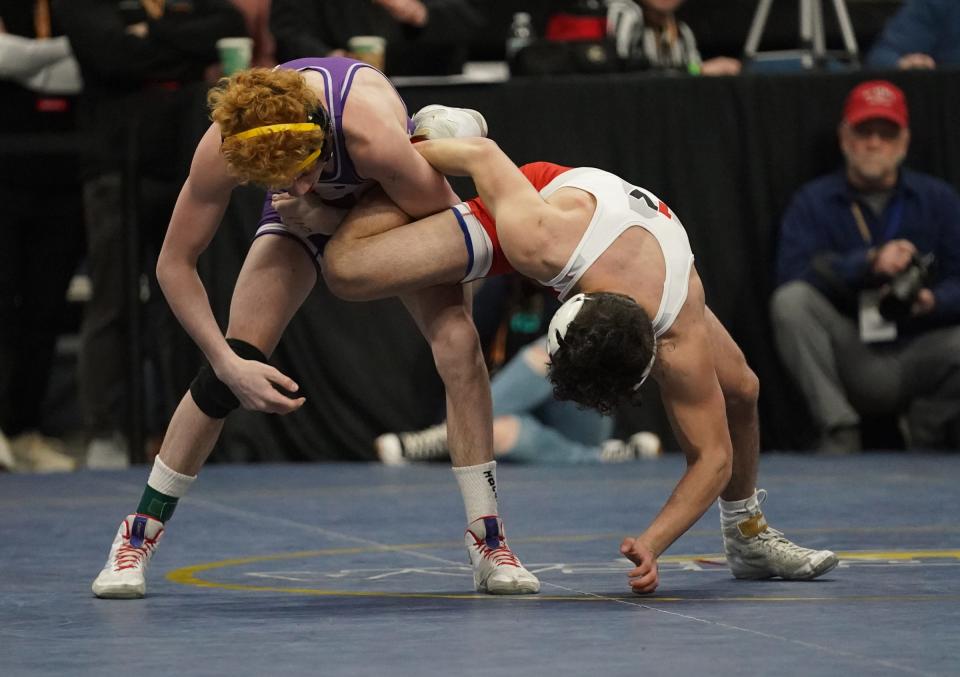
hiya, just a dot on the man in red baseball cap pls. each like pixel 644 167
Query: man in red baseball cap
pixel 866 329
pixel 876 100
pixel 874 134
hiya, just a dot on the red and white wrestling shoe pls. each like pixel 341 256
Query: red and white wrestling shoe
pixel 496 570
pixel 122 576
pixel 444 122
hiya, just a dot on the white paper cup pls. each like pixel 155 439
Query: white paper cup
pixel 370 49
pixel 235 54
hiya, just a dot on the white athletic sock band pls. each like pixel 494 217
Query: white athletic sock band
pixel 479 245
pixel 478 486
pixel 737 509
pixel 168 481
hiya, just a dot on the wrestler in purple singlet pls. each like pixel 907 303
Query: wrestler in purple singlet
pixel 339 184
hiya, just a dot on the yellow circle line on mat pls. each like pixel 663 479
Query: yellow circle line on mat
pixel 189 576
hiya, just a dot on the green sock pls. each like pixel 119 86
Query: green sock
pixel 156 505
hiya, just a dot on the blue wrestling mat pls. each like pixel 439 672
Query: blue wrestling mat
pixel 360 570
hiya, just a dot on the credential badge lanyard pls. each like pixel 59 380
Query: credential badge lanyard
pixel 893 223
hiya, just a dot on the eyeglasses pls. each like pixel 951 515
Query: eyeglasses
pixel 886 130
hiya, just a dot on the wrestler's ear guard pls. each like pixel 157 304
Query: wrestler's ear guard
pixel 320 117
pixel 561 321
pixel 564 317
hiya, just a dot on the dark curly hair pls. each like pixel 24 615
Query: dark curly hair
pixel 603 354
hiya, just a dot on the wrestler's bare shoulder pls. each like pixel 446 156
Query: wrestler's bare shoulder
pixel 208 171
pixel 372 105
pixel 548 236
pixel 316 82
pixel 562 220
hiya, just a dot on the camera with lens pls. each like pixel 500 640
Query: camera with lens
pixel 899 295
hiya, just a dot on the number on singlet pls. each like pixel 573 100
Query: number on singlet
pixel 647 205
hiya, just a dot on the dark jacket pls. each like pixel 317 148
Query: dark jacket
pixel 25 112
pixel 153 79
pixel 929 27
pixel 821 244
pixel 312 28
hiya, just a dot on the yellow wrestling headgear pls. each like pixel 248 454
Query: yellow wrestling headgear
pixel 318 120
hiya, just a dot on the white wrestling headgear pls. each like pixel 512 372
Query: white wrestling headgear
pixel 562 320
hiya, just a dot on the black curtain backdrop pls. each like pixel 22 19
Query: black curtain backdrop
pixel 725 154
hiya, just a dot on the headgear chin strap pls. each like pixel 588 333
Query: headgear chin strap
pixel 318 119
pixel 648 368
pixel 564 317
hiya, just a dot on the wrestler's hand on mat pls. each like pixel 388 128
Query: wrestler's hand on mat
pixel 308 212
pixel 645 577
pixel 255 385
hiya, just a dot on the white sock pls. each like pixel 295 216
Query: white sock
pixel 734 511
pixel 168 481
pixel 478 486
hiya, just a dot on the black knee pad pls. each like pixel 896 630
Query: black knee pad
pixel 213 396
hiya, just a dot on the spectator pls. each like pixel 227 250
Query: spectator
pixel 845 237
pixel 41 240
pixel 923 34
pixel 428 37
pixel 256 15
pixel 530 425
pixel 139 62
pixel 661 40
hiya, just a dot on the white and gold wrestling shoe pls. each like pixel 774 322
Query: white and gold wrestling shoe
pixel 123 576
pixel 496 570
pixel 445 122
pixel 754 550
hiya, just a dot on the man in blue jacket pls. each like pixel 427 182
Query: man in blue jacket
pixel 923 34
pixel 867 311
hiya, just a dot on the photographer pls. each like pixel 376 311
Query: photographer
pixel 867 311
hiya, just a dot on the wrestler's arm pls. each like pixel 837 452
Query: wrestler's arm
pixel 383 152
pixel 516 206
pixel 195 219
pixel 694 403
pixel 502 187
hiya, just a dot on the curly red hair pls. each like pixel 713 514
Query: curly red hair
pixel 258 97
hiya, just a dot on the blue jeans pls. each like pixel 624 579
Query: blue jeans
pixel 550 431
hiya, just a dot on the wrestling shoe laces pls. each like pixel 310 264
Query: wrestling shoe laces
pixel 425 444
pixel 616 451
pixel 501 554
pixel 496 569
pixel 398 449
pixel 777 540
pixel 756 550
pixel 131 556
pixel 123 574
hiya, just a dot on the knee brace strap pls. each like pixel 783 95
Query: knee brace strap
pixel 213 396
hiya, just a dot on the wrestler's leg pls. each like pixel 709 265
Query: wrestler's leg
pixel 753 549
pixel 377 253
pixel 276 278
pixel 741 390
pixel 443 314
